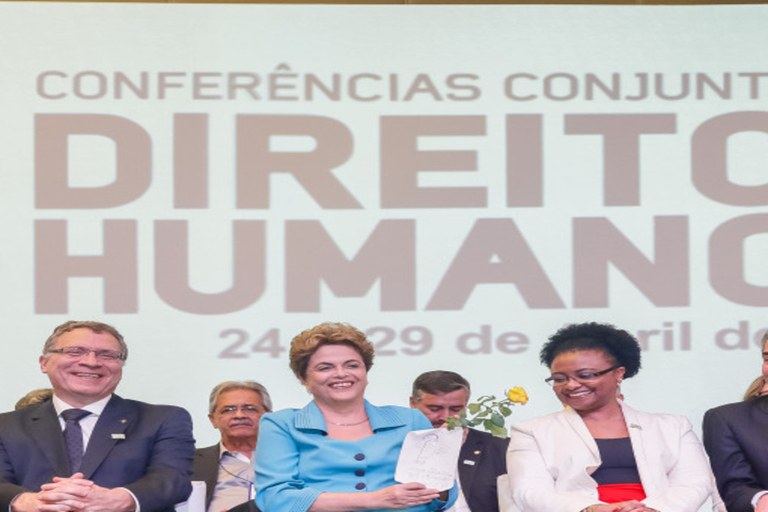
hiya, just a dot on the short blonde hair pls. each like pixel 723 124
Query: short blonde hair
pixel 755 388
pixel 34 397
pixel 307 342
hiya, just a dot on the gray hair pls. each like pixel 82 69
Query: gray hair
pixel 97 327
pixel 231 385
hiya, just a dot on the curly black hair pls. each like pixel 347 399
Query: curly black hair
pixel 617 343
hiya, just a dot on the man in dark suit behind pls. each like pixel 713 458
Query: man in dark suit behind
pixel 439 394
pixel 133 455
pixel 736 439
pixel 234 409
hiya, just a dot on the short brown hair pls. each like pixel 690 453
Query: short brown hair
pixel 438 382
pixel 97 327
pixel 306 343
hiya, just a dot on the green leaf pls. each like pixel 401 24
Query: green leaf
pixel 489 412
pixel 498 431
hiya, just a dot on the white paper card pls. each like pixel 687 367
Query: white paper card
pixel 196 500
pixel 430 457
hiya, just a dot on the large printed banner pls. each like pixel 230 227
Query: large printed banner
pixel 458 181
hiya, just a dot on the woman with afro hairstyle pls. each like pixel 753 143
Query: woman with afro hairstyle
pixel 600 455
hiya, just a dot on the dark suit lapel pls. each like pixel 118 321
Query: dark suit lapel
pixel 110 429
pixel 45 429
pixel 761 403
pixel 469 459
pixel 209 466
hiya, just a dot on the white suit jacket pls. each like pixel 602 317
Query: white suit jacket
pixel 550 460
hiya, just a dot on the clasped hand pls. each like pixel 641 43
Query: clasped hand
pixel 623 506
pixel 73 494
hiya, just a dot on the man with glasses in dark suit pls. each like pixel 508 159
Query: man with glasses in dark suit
pixel 234 408
pixel 87 448
pixel 736 439
pixel 482 460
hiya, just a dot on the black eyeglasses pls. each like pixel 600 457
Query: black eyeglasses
pixel 80 352
pixel 559 379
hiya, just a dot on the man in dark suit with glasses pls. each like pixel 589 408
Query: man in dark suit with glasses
pixel 234 408
pixel 736 439
pixel 482 459
pixel 88 448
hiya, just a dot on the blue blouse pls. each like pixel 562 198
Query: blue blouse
pixel 296 461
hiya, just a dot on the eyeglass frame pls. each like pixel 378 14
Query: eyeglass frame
pixel 592 376
pixel 248 409
pixel 99 353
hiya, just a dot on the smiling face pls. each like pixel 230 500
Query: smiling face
pixel 336 374
pixel 237 415
pixel 440 406
pixel 586 394
pixel 80 381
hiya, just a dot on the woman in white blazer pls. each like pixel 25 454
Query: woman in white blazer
pixel 600 455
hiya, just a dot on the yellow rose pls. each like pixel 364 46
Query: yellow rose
pixel 517 395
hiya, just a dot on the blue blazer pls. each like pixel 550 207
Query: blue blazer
pixel 147 449
pixel 735 439
pixel 296 461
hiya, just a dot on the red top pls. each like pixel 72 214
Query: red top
pixel 614 493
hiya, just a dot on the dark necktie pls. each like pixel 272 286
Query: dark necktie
pixel 73 436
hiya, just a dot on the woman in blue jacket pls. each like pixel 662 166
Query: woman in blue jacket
pixel 338 453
